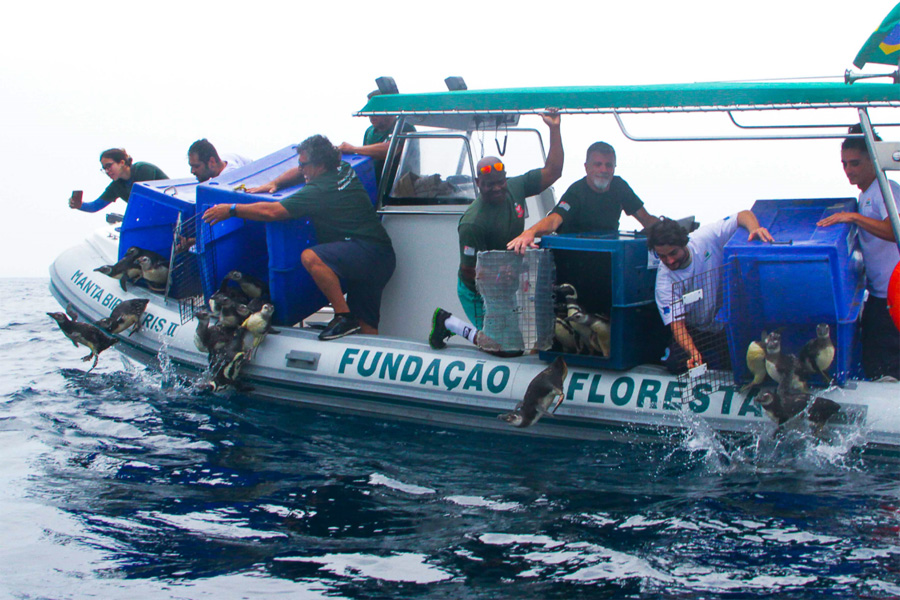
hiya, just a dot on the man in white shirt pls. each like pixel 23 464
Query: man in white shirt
pixel 880 338
pixel 682 257
pixel 206 163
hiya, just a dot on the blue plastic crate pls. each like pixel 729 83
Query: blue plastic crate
pixel 269 251
pixel 813 275
pixel 619 258
pixel 152 212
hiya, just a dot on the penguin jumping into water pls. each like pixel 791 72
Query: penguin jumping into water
pixel 124 315
pixel 783 405
pixel 545 390
pixel 83 333
pixel 818 354
pixel 126 268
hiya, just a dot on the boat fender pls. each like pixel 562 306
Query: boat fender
pixel 893 296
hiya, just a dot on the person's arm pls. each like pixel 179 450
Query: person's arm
pixel 90 207
pixel 684 339
pixel 880 229
pixel 553 166
pixel 748 221
pixel 258 211
pixel 377 151
pixel 289 178
pixel 645 218
pixel 525 240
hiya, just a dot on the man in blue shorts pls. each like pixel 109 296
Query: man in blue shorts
pixel 353 245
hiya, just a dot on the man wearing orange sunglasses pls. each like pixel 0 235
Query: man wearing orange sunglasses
pixel 495 217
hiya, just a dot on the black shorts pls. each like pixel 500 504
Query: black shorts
pixel 364 269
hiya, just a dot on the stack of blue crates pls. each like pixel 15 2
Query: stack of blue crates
pixel 269 251
pixel 810 275
pixel 638 334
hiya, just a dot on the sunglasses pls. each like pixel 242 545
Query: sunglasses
pixel 497 166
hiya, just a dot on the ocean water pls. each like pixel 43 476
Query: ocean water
pixel 122 482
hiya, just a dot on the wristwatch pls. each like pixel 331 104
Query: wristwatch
pixel 233 211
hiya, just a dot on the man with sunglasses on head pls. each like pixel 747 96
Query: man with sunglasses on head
pixel 353 247
pixel 495 217
pixel 593 203
pixel 682 257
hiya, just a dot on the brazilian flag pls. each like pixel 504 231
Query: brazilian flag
pixel 883 46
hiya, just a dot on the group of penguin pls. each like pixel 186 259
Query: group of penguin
pixel 243 314
pixel 137 264
pixel 791 397
pixel 95 337
pixel 577 331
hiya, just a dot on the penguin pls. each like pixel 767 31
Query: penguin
pixel 818 354
pixel 155 271
pixel 783 368
pixel 202 333
pixel 250 285
pixel 544 390
pixel 783 405
pixel 226 362
pixel 568 340
pixel 217 337
pixel 124 315
pixel 593 331
pixel 125 269
pixel 756 362
pixel 259 324
pixel 232 314
pixel 83 333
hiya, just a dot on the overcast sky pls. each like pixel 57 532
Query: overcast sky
pixel 253 77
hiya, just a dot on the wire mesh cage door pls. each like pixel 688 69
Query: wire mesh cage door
pixel 698 302
pixel 184 282
pixel 518 298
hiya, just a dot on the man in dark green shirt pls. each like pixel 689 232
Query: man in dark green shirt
pixel 352 245
pixel 496 217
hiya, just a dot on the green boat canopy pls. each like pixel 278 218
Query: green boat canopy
pixel 883 46
pixel 691 97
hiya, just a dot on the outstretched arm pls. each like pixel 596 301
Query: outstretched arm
pixel 881 229
pixel 258 211
pixel 377 151
pixel 525 240
pixel 684 339
pixel 645 218
pixel 289 178
pixel 91 207
pixel 554 165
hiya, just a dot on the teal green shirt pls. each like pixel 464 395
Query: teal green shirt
pixel 121 188
pixel 339 207
pixel 490 226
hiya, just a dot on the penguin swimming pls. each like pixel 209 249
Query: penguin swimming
pixel 124 315
pixel 783 368
pixel 756 362
pixel 544 390
pixel 126 268
pixel 155 271
pixel 83 333
pixel 818 354
pixel 784 405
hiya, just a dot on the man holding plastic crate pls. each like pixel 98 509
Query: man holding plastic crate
pixel 353 245
pixel 496 217
pixel 683 257
pixel 880 338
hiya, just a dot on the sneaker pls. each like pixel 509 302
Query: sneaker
pixel 340 325
pixel 439 332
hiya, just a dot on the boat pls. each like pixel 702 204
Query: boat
pixel 397 375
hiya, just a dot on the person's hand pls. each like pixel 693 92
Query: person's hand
pixel 551 117
pixel 762 234
pixel 522 242
pixel 695 360
pixel 841 217
pixel 74 202
pixel 266 188
pixel 217 214
pixel 346 148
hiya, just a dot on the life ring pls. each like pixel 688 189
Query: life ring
pixel 893 296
